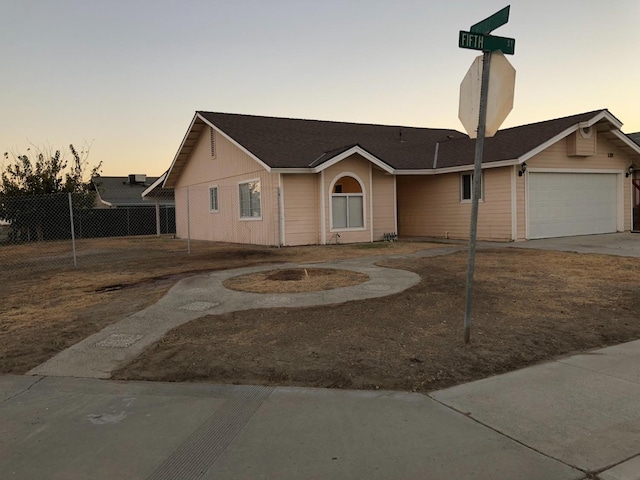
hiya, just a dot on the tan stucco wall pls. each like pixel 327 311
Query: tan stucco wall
pixel 384 204
pixel 430 206
pixel 301 209
pixel 230 167
pixel 303 199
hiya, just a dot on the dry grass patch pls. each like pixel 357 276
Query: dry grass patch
pixel 47 305
pixel 529 306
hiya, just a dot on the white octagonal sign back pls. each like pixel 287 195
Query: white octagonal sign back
pixel 502 82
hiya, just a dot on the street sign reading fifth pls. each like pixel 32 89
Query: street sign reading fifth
pixel 477 41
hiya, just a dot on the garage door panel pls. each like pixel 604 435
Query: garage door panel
pixel 565 204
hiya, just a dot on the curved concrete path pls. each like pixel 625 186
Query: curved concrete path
pixel 194 297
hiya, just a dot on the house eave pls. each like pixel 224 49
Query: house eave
pixel 457 168
pixel 338 158
pixel 293 170
pixel 354 150
pixel 180 158
pixel 159 181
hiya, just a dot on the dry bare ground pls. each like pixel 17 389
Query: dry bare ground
pixel 47 305
pixel 295 280
pixel 529 306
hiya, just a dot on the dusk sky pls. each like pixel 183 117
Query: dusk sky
pixel 127 76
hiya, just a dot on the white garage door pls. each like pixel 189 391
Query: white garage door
pixel 566 204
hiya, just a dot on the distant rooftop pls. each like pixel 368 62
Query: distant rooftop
pixel 125 191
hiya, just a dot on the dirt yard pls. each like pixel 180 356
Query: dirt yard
pixel 529 306
pixel 47 305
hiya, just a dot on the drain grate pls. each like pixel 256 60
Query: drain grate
pixel 198 453
pixel 119 340
pixel 199 306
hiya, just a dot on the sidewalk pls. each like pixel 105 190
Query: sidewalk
pixel 555 421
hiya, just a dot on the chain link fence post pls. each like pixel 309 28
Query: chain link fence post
pixel 73 233
pixel 188 224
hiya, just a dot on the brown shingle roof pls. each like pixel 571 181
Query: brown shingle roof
pixel 507 144
pixel 296 143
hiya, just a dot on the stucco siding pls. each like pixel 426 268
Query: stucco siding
pixel 180 195
pixel 230 167
pixel 301 208
pixel 431 206
pixel 383 204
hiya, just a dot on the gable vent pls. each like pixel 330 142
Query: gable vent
pixel 585 132
pixel 213 143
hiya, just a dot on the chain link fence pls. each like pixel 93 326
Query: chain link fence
pixel 42 232
pixel 47 231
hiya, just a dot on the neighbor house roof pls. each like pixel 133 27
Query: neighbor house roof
pixel 286 144
pixel 156 192
pixel 122 191
pixel 635 137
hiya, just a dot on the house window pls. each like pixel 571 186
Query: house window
pixel 250 200
pixel 347 204
pixel 466 187
pixel 213 143
pixel 213 199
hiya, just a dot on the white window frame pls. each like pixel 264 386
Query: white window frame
pixel 213 188
pixel 247 182
pixel 362 195
pixel 470 175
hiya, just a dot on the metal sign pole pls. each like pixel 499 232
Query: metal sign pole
pixel 477 185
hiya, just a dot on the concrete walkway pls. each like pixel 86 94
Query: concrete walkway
pixel 620 244
pixel 194 297
pixel 575 418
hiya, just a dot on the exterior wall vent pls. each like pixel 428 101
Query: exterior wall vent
pixel 583 142
pixel 135 178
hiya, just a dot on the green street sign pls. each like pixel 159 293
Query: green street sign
pixel 476 41
pixel 489 24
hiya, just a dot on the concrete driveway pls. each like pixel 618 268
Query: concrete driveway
pixel 621 244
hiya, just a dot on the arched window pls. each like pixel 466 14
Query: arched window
pixel 347 204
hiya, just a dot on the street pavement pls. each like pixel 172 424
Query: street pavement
pixel 574 418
